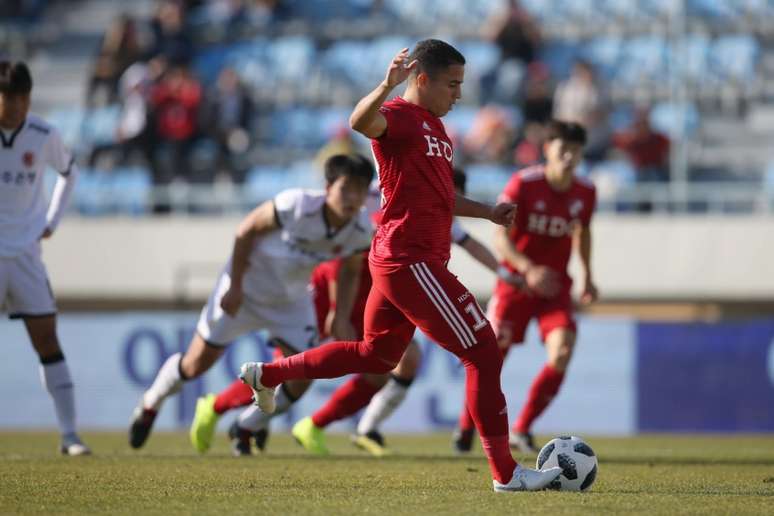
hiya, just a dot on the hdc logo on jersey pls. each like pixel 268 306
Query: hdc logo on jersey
pixel 28 159
pixel 552 226
pixel 436 147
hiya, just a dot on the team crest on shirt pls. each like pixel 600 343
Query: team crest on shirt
pixel 540 206
pixel 425 126
pixel 575 207
pixel 28 158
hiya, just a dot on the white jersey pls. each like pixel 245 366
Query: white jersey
pixel 281 262
pixel 458 235
pixel 24 156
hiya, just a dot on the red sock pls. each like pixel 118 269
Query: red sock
pixel 330 360
pixel 486 404
pixel 543 389
pixel 347 400
pixel 236 395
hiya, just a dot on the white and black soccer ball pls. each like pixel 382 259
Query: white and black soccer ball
pixel 577 460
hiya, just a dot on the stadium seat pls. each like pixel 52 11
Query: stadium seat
pixel 735 57
pixel 642 59
pixel 675 120
pixel 604 53
pixel 130 190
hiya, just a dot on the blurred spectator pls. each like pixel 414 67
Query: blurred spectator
pixel 646 149
pixel 169 35
pixel 582 99
pixel 514 31
pixel 537 103
pixel 228 116
pixel 491 137
pixel 119 50
pixel 175 104
pixel 133 134
pixel 340 143
pixel 529 149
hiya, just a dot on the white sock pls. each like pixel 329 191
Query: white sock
pixel 56 380
pixel 382 405
pixel 168 381
pixel 253 419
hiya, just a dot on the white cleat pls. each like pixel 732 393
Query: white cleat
pixel 528 480
pixel 72 446
pixel 250 373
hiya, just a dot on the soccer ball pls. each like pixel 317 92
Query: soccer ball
pixel 575 457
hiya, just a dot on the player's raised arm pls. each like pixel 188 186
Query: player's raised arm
pixel 259 221
pixel 365 118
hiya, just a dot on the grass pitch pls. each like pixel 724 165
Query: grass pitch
pixel 646 475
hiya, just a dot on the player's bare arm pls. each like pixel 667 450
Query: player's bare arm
pixel 540 279
pixel 589 292
pixel 347 285
pixel 502 213
pixel 366 118
pixel 259 221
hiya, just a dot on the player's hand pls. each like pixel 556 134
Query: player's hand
pixel 399 69
pixel 46 234
pixel 231 301
pixel 342 329
pixel 589 293
pixel 542 281
pixel 503 213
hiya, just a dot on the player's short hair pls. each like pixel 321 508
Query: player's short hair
pixel 15 78
pixel 350 165
pixel 433 56
pixel 460 179
pixel 571 132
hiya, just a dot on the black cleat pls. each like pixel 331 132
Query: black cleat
pixel 261 436
pixel 142 423
pixel 240 440
pixel 462 440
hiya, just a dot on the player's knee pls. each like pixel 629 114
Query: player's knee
pixel 378 359
pixel 409 363
pixel 561 356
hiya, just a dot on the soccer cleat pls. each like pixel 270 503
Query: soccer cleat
pixel 522 442
pixel 528 480
pixel 73 446
pixel 250 373
pixel 240 440
pixel 142 423
pixel 372 442
pixel 261 436
pixel 462 440
pixel 310 436
pixel 204 422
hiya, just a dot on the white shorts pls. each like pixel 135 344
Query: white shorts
pixel 295 324
pixel 24 287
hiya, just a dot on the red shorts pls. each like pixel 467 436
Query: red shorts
pixel 510 314
pixel 427 296
pixel 322 277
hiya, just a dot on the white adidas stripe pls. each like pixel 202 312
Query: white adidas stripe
pixel 449 304
pixel 443 313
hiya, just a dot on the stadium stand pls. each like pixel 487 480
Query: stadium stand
pixel 700 66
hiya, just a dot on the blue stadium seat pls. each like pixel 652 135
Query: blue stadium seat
pixel 604 53
pixel 291 57
pixel 131 190
pixel 690 57
pixel 100 125
pixel 487 180
pixel 559 56
pixel 481 57
pixel 68 121
pixel 460 120
pixel 735 57
pixel 674 119
pixel 643 58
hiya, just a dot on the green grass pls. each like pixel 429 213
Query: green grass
pixel 647 475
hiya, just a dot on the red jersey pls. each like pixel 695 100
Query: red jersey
pixel 547 218
pixel 414 163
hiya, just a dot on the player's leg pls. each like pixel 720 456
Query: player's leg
pixel 434 300
pixel 291 328
pixel 388 333
pixel 557 328
pixel 509 317
pixel 214 331
pixel 29 297
pixel 384 403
